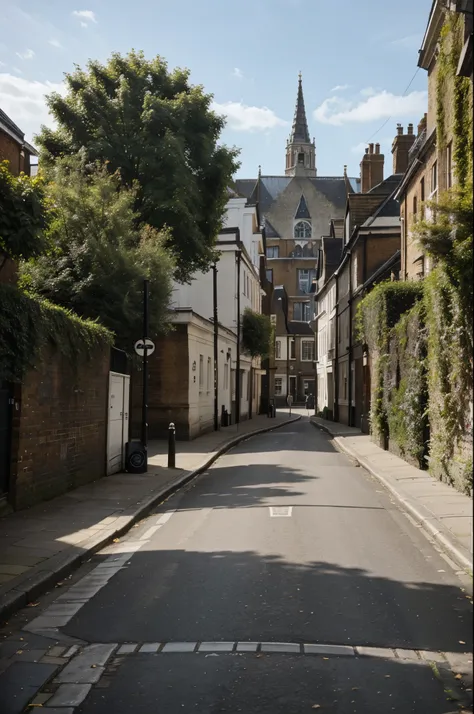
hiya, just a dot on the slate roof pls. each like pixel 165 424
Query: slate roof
pixel 332 248
pixel 295 327
pixel 388 212
pixel 333 189
pixel 11 126
pixel 270 232
pixel 364 206
pixel 302 210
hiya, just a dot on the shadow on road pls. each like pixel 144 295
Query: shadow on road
pixel 186 595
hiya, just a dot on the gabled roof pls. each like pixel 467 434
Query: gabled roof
pixel 302 210
pixel 7 124
pixel 366 206
pixel 270 232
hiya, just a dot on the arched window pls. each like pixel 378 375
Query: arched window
pixel 303 229
pixel 297 252
pixel 301 158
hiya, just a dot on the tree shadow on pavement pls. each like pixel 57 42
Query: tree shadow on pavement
pixel 190 595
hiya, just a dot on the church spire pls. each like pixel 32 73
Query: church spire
pixel 300 131
pixel 300 151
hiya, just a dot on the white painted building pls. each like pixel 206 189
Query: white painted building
pixel 240 247
pixel 325 307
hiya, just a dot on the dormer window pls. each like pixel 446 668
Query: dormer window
pixel 303 230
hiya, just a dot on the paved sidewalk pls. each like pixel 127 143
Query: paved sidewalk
pixel 44 543
pixel 442 511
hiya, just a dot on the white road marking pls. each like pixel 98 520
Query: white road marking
pixel 150 532
pixel 164 518
pixel 281 511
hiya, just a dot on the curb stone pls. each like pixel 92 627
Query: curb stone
pixel 44 576
pixel 424 519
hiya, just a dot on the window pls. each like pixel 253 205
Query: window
pixel 201 372
pixel 305 279
pixel 270 275
pixel 303 229
pixel 278 386
pixel 449 165
pixel 226 376
pixel 209 374
pixel 434 177
pixel 415 207
pixel 301 311
pixel 301 158
pixel 307 350
pixel 273 251
pixel 278 349
pixel 292 349
pixel 422 196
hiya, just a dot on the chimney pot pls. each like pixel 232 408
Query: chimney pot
pixel 377 148
pixel 399 129
pixel 410 129
pixel 371 148
pixel 366 149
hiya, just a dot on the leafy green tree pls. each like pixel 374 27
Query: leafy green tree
pixel 98 257
pixel 256 333
pixel 160 133
pixel 23 215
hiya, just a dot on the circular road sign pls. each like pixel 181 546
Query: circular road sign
pixel 140 347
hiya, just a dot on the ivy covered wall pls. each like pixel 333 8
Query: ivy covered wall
pixel 422 353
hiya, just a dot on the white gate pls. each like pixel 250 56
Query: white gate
pixel 117 429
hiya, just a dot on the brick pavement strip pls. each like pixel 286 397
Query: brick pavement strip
pixel 83 510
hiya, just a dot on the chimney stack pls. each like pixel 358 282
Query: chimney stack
pixel 371 168
pixel 401 145
pixel 422 124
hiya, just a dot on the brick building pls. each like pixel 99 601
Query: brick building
pixel 430 169
pixel 369 252
pixel 297 209
pixel 14 148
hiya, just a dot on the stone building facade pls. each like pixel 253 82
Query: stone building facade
pixel 297 209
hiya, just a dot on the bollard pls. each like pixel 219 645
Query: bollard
pixel 171 446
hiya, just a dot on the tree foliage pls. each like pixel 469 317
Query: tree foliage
pixel 160 133
pixel 256 333
pixel 98 258
pixel 23 214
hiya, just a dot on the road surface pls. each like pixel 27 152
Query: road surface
pixel 282 581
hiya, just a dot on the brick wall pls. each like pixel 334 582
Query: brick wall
pixel 10 151
pixel 168 388
pixel 59 428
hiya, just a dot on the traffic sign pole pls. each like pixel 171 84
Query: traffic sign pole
pixel 145 373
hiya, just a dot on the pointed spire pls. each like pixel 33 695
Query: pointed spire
pixel 299 132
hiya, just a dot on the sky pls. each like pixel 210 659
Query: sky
pixel 357 60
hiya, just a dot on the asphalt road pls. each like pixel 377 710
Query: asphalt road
pixel 282 541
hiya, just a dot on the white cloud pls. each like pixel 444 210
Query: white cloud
pixel 28 54
pixel 86 16
pixel 23 101
pixel 368 92
pixel 243 118
pixel 340 87
pixel 237 73
pixel 55 43
pixel 382 105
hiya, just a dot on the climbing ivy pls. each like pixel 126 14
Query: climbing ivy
pixel 377 314
pixel 458 92
pixel 27 324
